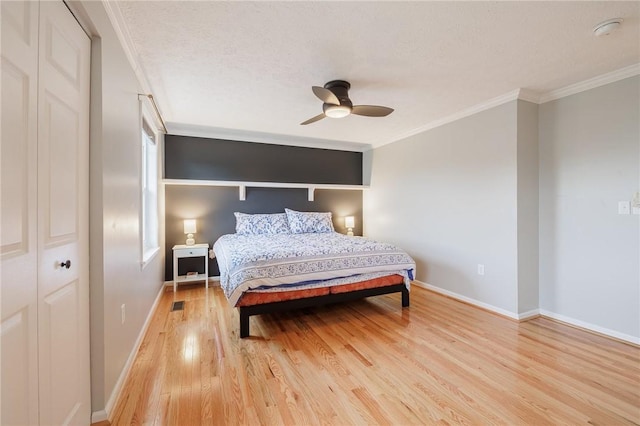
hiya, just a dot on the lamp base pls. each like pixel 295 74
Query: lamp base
pixel 350 232
pixel 190 240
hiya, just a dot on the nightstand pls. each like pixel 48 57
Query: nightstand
pixel 197 250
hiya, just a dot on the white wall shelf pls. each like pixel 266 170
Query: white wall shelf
pixel 242 186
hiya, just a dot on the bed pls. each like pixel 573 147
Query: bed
pixel 269 272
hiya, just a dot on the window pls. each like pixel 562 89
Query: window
pixel 149 193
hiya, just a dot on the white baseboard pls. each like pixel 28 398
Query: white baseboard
pixel 591 327
pixel 533 313
pixel 469 300
pixel 99 416
pixel 529 314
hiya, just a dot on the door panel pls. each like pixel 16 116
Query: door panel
pixel 22 17
pixel 18 232
pixel 15 161
pixel 61 124
pixel 63 156
pixel 62 53
pixel 63 345
pixel 18 382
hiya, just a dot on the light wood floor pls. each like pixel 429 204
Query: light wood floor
pixel 372 362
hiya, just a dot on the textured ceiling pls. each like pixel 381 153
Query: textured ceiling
pixel 248 67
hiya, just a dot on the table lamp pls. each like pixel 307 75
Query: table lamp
pixel 190 229
pixel 350 223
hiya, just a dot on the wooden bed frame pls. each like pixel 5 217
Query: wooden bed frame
pixel 272 307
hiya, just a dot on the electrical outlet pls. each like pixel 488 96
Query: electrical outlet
pixel 480 269
pixel 123 312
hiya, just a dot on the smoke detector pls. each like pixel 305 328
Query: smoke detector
pixel 607 27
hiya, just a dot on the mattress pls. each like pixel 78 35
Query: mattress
pixel 286 262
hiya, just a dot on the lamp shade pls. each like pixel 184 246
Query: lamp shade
pixel 190 226
pixel 349 222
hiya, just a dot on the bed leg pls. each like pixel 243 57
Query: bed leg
pixel 405 297
pixel 244 324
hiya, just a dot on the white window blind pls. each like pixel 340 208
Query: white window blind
pixel 149 193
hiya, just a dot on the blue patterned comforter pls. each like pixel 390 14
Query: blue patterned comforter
pixel 264 261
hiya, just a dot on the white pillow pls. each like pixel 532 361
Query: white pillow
pixel 256 224
pixel 309 222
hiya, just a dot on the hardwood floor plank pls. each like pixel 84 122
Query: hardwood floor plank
pixel 371 362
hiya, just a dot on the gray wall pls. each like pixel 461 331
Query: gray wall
pixel 589 160
pixel 531 192
pixel 449 197
pixel 528 262
pixel 214 206
pixel 115 270
pixel 190 157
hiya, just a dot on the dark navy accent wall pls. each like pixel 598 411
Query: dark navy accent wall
pixel 213 207
pixel 216 159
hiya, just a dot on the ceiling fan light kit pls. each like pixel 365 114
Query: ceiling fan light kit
pixel 336 103
pixel 336 111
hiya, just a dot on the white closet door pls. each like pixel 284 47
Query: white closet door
pixel 63 217
pixel 18 234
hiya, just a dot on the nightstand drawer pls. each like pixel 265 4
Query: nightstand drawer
pixel 191 252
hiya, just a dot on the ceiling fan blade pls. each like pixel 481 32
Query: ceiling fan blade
pixel 325 95
pixel 313 120
pixel 371 110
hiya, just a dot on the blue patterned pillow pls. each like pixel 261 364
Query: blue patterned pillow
pixel 256 224
pixel 309 222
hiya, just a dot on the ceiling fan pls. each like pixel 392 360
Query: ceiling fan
pixel 336 103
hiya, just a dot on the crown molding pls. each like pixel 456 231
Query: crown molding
pixel 122 32
pixel 592 83
pixel 491 103
pixel 260 137
pixel 525 95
